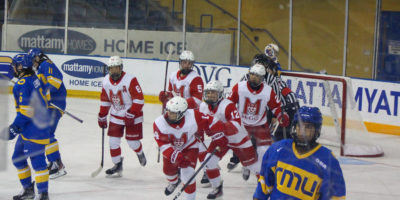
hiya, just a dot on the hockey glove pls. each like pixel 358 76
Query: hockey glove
pixel 129 119
pixel 178 159
pixel 218 140
pixel 164 96
pixel 283 119
pixel 13 131
pixel 102 120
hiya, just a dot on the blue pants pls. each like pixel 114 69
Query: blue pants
pixel 23 150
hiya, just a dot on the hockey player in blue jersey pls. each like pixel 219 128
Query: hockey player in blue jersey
pixel 300 168
pixel 31 129
pixel 52 79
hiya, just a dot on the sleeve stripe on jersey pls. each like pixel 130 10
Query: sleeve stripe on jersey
pixel 138 120
pixel 338 198
pixel 25 110
pixel 266 190
pixel 105 103
pixel 198 101
pixel 137 101
pixel 42 78
pixel 54 81
pixel 164 147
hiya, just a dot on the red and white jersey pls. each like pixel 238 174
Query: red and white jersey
pixel 252 104
pixel 189 87
pixel 170 137
pixel 121 96
pixel 226 112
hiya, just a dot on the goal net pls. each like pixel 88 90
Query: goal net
pixel 343 128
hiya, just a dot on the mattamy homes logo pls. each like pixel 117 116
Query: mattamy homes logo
pixel 52 41
pixel 84 68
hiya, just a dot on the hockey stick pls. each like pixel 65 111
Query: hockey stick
pixel 66 112
pixel 165 88
pixel 197 171
pixel 58 108
pixel 95 173
pixel 204 145
pixel 273 127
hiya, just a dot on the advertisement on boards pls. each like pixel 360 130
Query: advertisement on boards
pixel 210 47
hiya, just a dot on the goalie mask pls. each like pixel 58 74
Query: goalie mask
pixel 213 92
pixel 186 61
pixel 115 67
pixel 256 75
pixel 306 128
pixel 175 109
pixel 272 51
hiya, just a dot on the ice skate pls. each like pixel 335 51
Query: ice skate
pixel 216 193
pixel 205 183
pixel 56 169
pixel 115 171
pixel 171 187
pixel 142 159
pixel 245 173
pixel 233 163
pixel 42 196
pixel 26 193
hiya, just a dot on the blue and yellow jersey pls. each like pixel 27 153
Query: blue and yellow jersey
pixel 23 92
pixel 52 79
pixel 285 174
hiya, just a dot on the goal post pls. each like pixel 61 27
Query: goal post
pixel 343 126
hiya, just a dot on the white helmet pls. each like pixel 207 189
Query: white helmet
pixel 257 69
pixel 115 61
pixel 186 55
pixel 213 86
pixel 272 51
pixel 177 105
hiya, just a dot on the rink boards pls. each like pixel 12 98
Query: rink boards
pixel 378 102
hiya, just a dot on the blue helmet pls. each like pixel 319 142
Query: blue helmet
pixel 17 59
pixel 308 115
pixel 23 60
pixel 32 53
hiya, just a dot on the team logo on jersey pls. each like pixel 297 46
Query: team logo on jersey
pixel 117 100
pixel 297 182
pixel 251 108
pixel 179 142
pixel 179 91
pixel 124 89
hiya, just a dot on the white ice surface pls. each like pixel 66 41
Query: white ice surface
pixel 80 146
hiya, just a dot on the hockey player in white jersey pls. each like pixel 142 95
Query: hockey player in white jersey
pixel 185 82
pixel 238 140
pixel 175 133
pixel 122 96
pixel 188 84
pixel 253 97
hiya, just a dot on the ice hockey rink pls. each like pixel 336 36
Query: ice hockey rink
pixel 80 147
